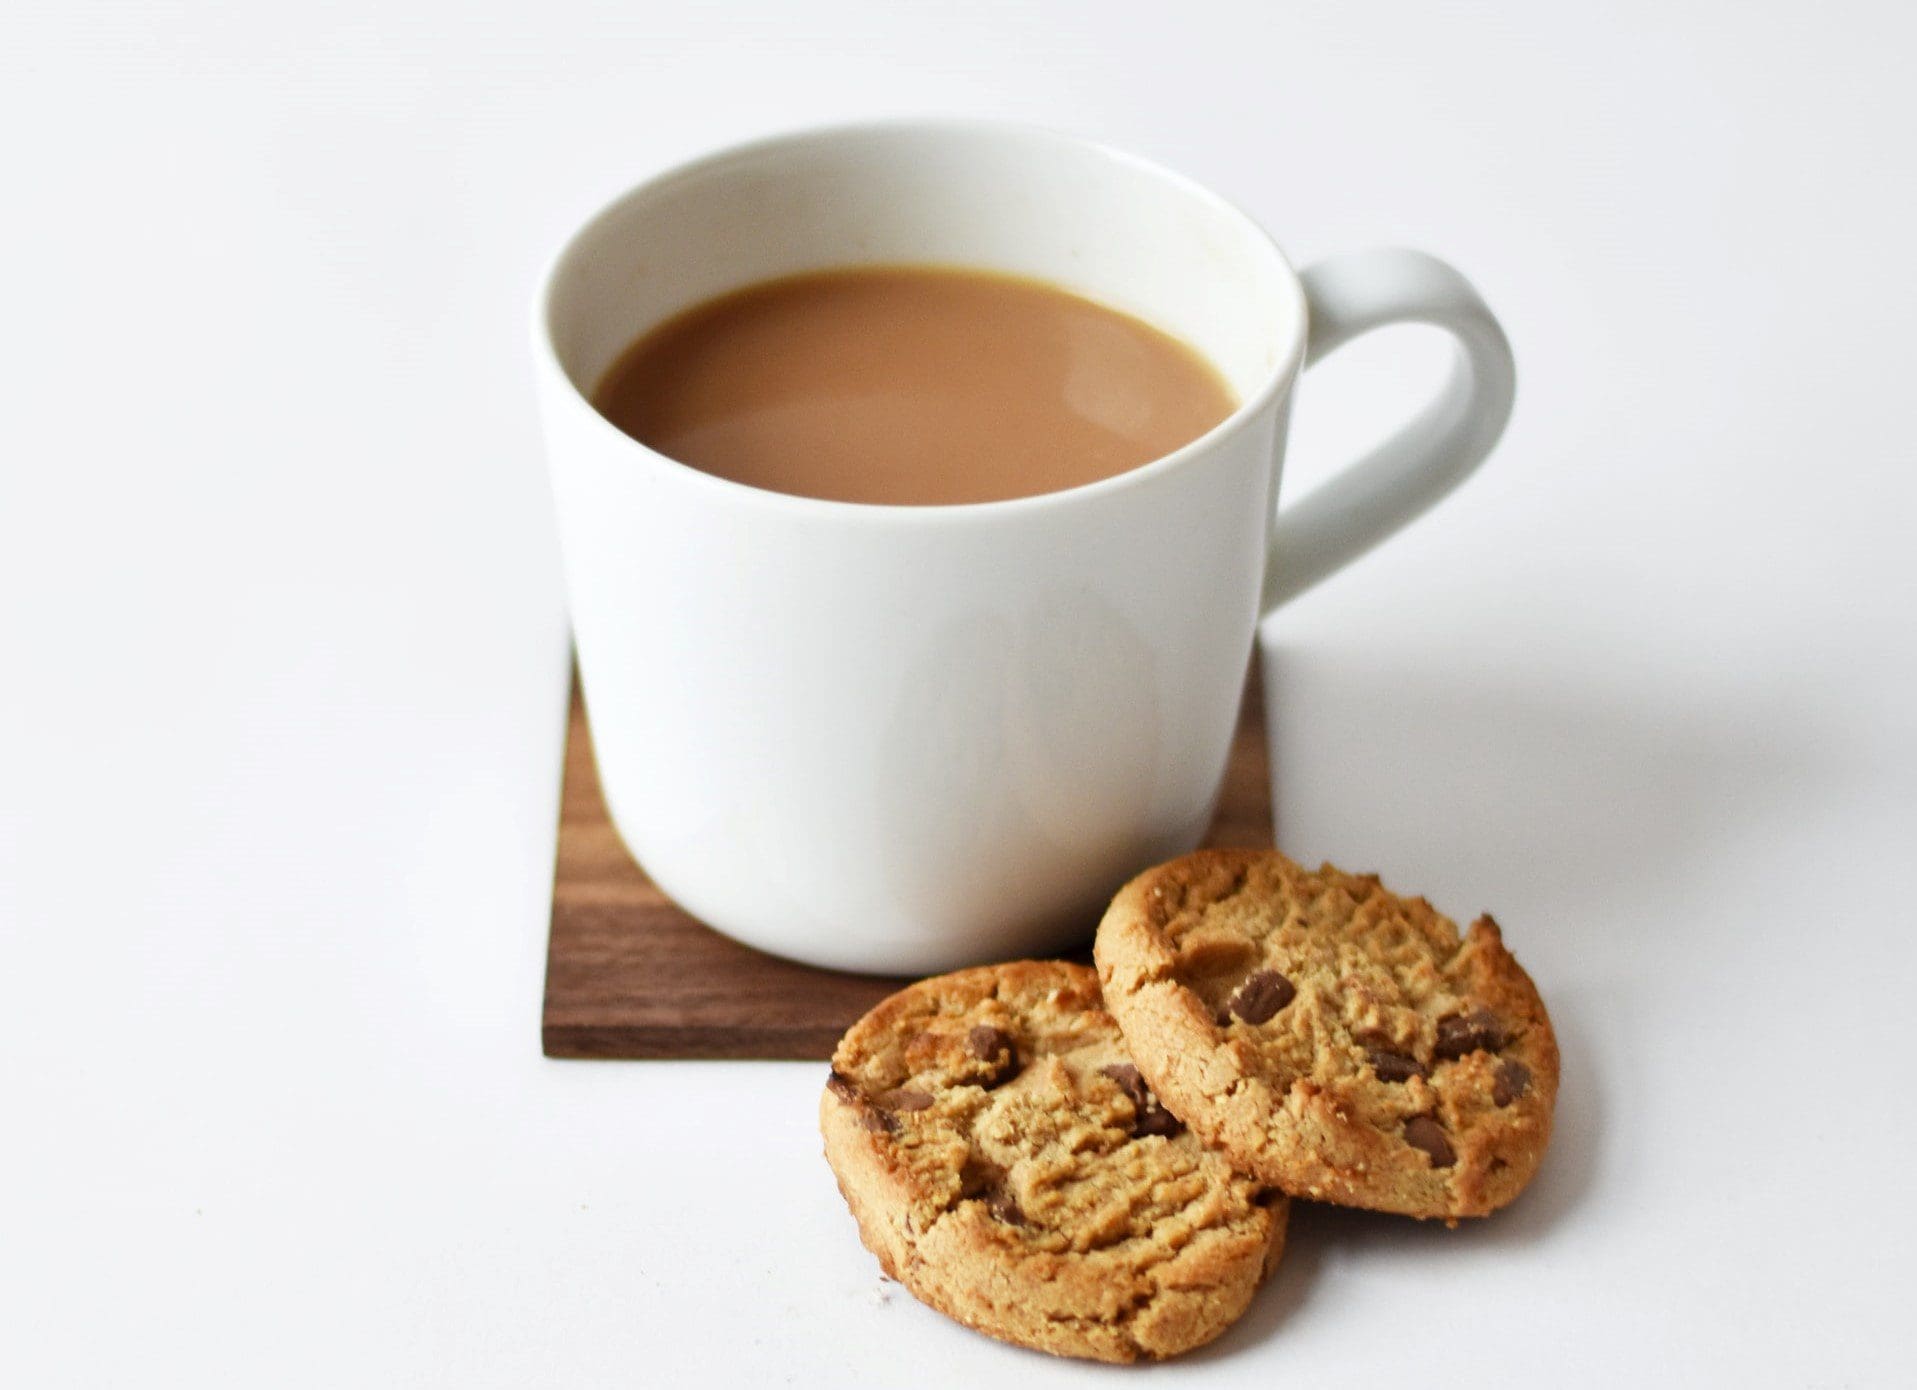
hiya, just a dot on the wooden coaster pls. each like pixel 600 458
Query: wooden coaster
pixel 628 974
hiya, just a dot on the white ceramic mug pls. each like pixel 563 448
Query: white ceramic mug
pixel 902 739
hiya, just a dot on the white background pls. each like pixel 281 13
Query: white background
pixel 284 652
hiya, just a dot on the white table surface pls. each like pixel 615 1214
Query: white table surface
pixel 284 653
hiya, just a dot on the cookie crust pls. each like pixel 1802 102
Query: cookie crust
pixel 1007 1166
pixel 1336 1040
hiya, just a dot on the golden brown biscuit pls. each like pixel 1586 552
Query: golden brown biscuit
pixel 1337 1041
pixel 1007 1165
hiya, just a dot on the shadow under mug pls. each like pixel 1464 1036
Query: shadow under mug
pixel 903 739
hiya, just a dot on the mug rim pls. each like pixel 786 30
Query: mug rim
pixel 1273 384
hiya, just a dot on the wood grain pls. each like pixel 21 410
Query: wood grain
pixel 628 974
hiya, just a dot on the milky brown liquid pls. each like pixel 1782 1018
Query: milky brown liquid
pixel 911 385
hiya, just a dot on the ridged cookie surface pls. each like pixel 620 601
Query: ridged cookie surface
pixel 1008 1166
pixel 1337 1041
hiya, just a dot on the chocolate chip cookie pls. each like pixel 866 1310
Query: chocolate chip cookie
pixel 1337 1041
pixel 1008 1164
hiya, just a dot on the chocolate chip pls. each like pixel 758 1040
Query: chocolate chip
pixel 978 1175
pixel 982 1180
pixel 1148 1116
pixel 903 1099
pixel 1262 994
pixel 985 1041
pixel 1129 1081
pixel 1477 1031
pixel 1422 1132
pixel 1156 1119
pixel 847 1090
pixel 995 1047
pixel 1512 1080
pixel 1004 1207
pixel 1393 1066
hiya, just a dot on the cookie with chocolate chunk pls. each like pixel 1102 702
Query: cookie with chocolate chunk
pixel 1008 1164
pixel 1337 1041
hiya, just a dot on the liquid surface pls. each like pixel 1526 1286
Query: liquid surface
pixel 911 385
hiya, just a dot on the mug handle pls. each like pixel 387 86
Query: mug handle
pixel 1441 446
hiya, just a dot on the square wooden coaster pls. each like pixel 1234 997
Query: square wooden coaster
pixel 628 974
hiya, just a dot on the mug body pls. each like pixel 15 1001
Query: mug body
pixel 901 739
